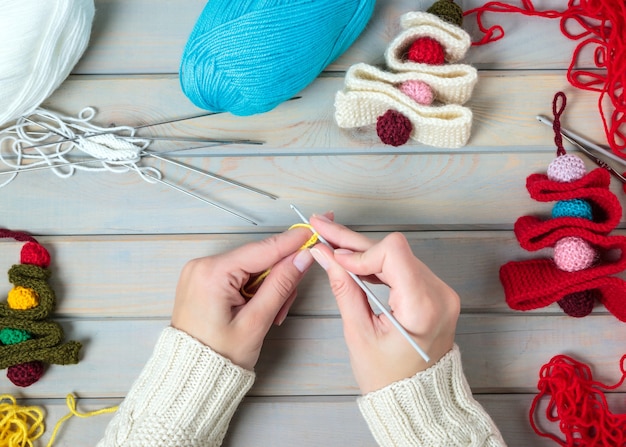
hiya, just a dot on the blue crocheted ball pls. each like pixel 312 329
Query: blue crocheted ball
pixel 572 208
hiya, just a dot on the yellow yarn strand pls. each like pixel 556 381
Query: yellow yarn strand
pixel 245 290
pixel 19 426
pixel 70 401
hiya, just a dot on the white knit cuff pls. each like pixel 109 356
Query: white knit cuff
pixel 185 395
pixel 433 408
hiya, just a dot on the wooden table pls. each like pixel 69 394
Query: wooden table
pixel 118 243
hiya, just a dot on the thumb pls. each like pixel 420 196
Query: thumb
pixel 351 300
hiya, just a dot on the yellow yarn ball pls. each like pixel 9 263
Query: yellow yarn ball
pixel 21 426
pixel 21 298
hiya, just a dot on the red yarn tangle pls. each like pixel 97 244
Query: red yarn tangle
pixel 556 124
pixel 577 403
pixel 600 26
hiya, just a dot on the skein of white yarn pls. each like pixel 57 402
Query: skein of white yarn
pixel 40 43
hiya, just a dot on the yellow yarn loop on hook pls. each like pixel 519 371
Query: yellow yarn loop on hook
pixel 254 284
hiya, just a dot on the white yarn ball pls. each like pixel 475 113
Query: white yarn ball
pixel 40 43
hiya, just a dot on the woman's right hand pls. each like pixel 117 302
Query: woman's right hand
pixel 421 302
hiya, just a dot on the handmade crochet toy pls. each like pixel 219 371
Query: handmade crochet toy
pixel 586 211
pixel 421 94
pixel 27 339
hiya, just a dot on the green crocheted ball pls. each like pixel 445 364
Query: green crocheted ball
pixel 10 336
pixel 447 10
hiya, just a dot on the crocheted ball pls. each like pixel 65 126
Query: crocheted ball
pixel 393 128
pixel 447 10
pixel 566 168
pixel 10 336
pixel 418 91
pixel 22 298
pixel 572 254
pixel 25 374
pixel 579 304
pixel 427 50
pixel 33 253
pixel 572 208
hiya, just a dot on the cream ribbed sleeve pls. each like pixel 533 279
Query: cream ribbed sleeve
pixel 433 408
pixel 185 396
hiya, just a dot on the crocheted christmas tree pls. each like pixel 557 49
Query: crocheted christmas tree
pixel 585 212
pixel 420 94
pixel 28 340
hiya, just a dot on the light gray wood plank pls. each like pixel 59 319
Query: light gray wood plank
pixel 137 36
pixel 307 356
pixel 502 121
pixel 135 276
pixel 306 421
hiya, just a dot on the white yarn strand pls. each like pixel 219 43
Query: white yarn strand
pixel 45 138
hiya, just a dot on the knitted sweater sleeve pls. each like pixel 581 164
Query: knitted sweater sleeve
pixel 185 396
pixel 433 408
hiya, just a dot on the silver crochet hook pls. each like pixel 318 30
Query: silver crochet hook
pixel 370 294
pixel 587 146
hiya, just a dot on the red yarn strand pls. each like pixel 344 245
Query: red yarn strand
pixel 599 26
pixel 558 107
pixel 577 403
pixel 17 235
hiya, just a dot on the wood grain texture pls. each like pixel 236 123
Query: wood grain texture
pixel 118 243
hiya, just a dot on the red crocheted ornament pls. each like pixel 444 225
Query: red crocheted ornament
pixel 426 50
pixel 393 128
pixel 579 304
pixel 25 374
pixel 36 254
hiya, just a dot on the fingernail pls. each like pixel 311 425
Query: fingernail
pixel 343 251
pixel 303 260
pixel 319 257
pixel 321 217
pixel 281 319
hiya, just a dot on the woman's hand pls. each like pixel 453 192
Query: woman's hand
pixel 421 302
pixel 210 307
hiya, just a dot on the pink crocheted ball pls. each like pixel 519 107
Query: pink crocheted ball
pixel 418 91
pixel 572 254
pixel 393 128
pixel 426 50
pixel 566 168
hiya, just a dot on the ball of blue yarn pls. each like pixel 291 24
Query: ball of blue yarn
pixel 572 208
pixel 248 56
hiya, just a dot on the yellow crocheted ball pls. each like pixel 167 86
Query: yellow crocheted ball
pixel 21 298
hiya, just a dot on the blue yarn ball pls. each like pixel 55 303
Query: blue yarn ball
pixel 248 56
pixel 572 208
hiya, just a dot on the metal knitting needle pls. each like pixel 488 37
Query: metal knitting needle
pixel 207 174
pixel 181 165
pixel 581 142
pixel 370 294
pixel 143 126
pixel 197 197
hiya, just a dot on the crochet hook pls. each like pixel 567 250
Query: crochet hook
pixel 370 294
pixel 586 146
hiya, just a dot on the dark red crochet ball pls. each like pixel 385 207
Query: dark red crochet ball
pixel 35 254
pixel 25 374
pixel 393 128
pixel 579 304
pixel 426 50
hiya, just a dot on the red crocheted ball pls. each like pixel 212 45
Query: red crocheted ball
pixel 393 128
pixel 25 374
pixel 426 50
pixel 579 304
pixel 35 254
